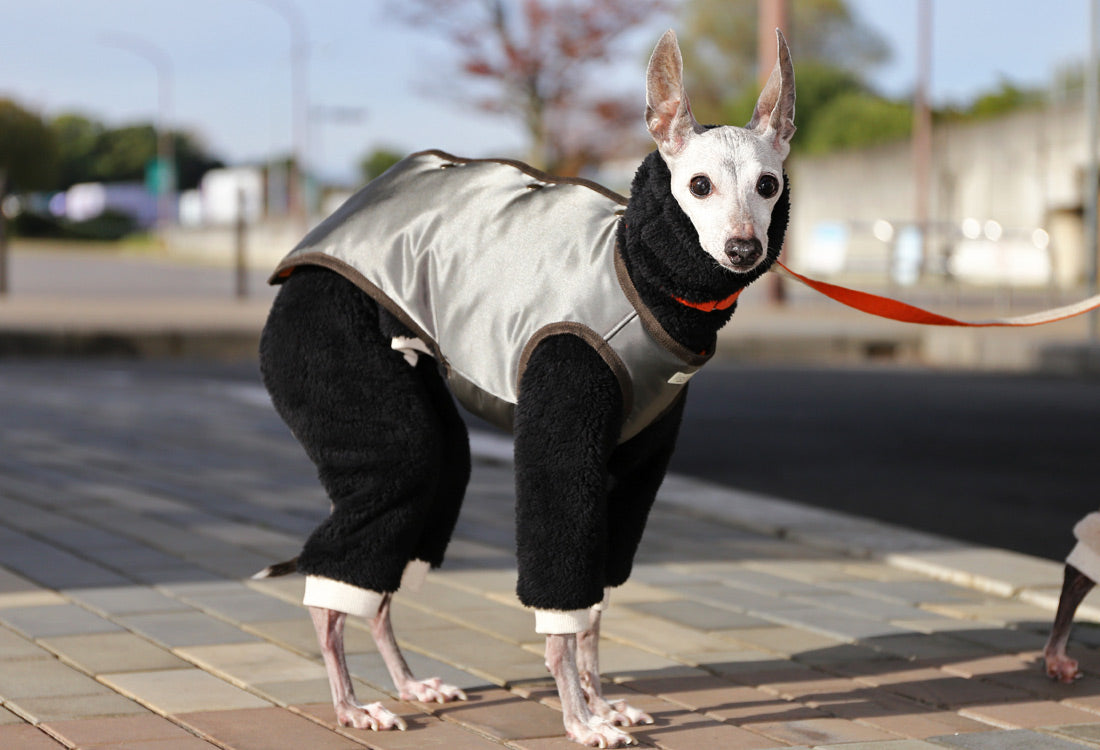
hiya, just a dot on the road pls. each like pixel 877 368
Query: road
pixel 1008 461
pixel 1005 460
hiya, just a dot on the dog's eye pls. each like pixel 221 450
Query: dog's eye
pixel 700 186
pixel 767 186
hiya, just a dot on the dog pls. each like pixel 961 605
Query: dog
pixel 549 306
pixel 1081 572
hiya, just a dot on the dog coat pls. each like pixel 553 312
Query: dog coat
pixel 483 259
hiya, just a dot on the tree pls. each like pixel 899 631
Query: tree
pixel 77 138
pixel 856 120
pixel 377 162
pixel 720 49
pixel 28 159
pixel 533 61
pixel 91 152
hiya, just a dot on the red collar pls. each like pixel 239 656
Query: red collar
pixel 711 306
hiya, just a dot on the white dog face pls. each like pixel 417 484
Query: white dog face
pixel 726 179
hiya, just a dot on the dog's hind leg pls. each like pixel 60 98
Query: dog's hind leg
pixel 432 690
pixel 329 625
pixel 1059 665
pixel 367 421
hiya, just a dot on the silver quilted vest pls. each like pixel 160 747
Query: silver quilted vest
pixel 483 259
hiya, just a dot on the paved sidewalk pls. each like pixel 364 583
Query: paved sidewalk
pixel 135 503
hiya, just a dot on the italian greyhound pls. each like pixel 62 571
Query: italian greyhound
pixel 552 307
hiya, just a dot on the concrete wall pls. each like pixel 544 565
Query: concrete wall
pixel 1024 172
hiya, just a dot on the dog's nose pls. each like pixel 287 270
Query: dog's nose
pixel 743 253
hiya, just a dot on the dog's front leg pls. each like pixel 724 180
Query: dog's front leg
pixel 432 690
pixel 1059 665
pixel 581 725
pixel 329 625
pixel 568 419
pixel 619 713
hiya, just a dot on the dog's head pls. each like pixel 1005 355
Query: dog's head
pixel 726 179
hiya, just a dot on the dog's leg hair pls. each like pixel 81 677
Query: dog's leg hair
pixel 1059 666
pixel 618 713
pixel 432 690
pixel 329 625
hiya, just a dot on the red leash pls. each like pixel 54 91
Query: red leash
pixel 884 307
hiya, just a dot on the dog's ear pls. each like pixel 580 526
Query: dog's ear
pixel 773 117
pixel 667 112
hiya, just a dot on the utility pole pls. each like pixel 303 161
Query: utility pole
pixel 771 15
pixel 299 103
pixel 922 129
pixel 1092 171
pixel 164 173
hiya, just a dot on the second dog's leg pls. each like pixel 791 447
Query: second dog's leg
pixel 619 713
pixel 329 625
pixel 432 690
pixel 1074 587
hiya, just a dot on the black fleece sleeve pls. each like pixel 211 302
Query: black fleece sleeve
pixel 567 423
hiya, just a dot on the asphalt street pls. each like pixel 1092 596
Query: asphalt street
pixel 1001 460
pixel 1004 460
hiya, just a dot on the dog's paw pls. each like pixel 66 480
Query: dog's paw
pixel 599 733
pixel 1062 668
pixel 432 690
pixel 372 716
pixel 623 714
pixel 619 713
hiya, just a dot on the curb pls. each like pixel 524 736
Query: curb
pixel 1003 573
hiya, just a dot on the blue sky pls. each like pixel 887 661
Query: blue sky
pixel 231 69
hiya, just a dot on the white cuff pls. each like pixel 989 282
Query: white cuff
pixel 415 573
pixel 558 622
pixel 1086 560
pixel 341 597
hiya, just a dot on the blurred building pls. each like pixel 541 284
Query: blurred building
pixel 1006 205
pixel 89 200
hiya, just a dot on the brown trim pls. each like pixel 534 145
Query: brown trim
pixel 649 320
pixel 593 339
pixel 538 174
pixel 288 264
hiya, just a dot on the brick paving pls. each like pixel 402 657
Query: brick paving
pixel 135 502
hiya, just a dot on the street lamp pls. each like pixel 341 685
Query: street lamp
pixel 299 117
pixel 335 114
pixel 166 158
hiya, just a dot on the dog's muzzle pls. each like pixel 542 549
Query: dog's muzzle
pixel 744 254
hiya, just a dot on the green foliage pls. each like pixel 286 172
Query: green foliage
pixel 377 162
pixel 28 150
pixel 1007 97
pixel 855 120
pixel 826 95
pixel 719 45
pixel 121 154
pixel 91 152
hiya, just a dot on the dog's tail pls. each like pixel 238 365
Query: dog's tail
pixel 278 569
